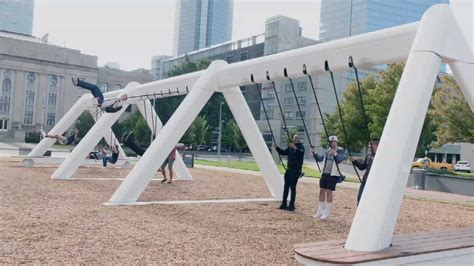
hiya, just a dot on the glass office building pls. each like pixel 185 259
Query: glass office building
pixel 17 16
pixel 344 18
pixel 202 23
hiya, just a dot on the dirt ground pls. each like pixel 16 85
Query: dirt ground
pixel 65 221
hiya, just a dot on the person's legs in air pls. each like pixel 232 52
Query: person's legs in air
pixel 94 89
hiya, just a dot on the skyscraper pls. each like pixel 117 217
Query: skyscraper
pixel 17 16
pixel 344 18
pixel 201 23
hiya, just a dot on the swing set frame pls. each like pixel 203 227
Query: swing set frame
pixel 424 46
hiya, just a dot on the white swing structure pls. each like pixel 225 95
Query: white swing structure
pixel 437 39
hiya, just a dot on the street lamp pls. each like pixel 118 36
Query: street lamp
pixel 220 133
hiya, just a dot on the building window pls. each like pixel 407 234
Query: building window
pixel 6 77
pixel 3 124
pixel 53 89
pixel 287 87
pixel 300 129
pixel 288 101
pixel 302 100
pixel 229 59
pixel 30 98
pixel 303 114
pixel 301 85
pixel 288 115
pixel 243 56
pixel 117 87
pixel 103 87
pixel 269 114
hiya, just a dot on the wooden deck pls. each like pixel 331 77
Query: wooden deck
pixel 402 246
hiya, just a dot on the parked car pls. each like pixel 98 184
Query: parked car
pixel 203 147
pixel 427 163
pixel 214 149
pixel 462 166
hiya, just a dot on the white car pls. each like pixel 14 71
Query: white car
pixel 462 166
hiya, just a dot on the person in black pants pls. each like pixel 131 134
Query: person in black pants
pixel 97 93
pixel 295 153
pixel 129 140
pixel 366 165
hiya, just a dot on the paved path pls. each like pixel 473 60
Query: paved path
pixel 409 192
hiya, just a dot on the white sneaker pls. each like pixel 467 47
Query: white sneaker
pixel 43 134
pixel 327 211
pixel 321 209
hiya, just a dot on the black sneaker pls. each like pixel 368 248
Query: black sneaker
pixel 290 208
pixel 282 207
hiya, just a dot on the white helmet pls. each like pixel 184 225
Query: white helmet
pixel 333 138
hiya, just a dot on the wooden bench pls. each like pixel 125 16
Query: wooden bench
pixel 402 246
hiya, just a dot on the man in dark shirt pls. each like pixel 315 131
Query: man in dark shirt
pixel 295 153
pixel 365 164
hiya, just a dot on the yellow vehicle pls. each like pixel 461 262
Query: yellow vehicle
pixel 427 163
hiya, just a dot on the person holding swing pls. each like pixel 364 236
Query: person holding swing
pixel 331 175
pixel 295 153
pixel 365 164
pixel 112 158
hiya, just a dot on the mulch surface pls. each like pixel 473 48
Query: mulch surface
pixel 65 221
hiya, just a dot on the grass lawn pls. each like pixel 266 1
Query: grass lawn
pixel 252 166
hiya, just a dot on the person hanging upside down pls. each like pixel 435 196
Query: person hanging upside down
pixel 97 93
pixel 72 139
pixel 295 153
pixel 330 177
pixel 366 165
pixel 112 158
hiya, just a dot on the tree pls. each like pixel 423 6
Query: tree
pixel 138 125
pixel 239 140
pixel 198 131
pixel 381 97
pixel 84 123
pixel 451 114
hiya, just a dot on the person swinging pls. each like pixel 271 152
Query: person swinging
pixel 331 175
pixel 97 93
pixel 295 153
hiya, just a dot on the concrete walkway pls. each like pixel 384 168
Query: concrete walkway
pixel 409 192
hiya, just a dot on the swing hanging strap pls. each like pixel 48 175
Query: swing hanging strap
pixel 361 98
pixel 301 114
pixel 279 106
pixel 266 116
pixel 326 67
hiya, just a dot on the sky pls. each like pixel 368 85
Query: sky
pixel 130 32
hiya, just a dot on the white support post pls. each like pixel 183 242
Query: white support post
pixel 153 120
pixel 63 124
pixel 145 169
pixel 254 139
pixel 100 128
pixel 376 216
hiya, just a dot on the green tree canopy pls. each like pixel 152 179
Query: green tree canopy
pixel 451 114
pixel 198 131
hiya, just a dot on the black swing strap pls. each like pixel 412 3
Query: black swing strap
pixel 361 98
pixel 266 116
pixel 326 67
pixel 279 106
pixel 301 114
